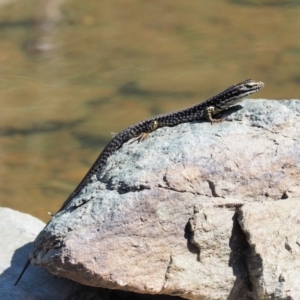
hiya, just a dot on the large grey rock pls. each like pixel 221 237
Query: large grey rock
pixel 172 214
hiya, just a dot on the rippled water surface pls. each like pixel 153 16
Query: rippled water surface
pixel 72 72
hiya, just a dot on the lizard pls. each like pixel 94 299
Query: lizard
pixel 202 111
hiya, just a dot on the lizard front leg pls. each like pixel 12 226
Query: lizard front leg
pixel 208 115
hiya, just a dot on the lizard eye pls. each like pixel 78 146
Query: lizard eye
pixel 250 85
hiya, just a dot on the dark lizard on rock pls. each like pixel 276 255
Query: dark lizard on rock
pixel 202 111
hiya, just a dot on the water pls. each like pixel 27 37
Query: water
pixel 72 72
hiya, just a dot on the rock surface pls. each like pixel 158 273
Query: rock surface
pixel 18 230
pixel 198 211
pixel 273 257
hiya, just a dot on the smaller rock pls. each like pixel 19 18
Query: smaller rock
pixel 18 230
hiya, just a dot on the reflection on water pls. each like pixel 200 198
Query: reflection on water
pixel 72 72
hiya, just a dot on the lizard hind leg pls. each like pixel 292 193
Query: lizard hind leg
pixel 151 127
pixel 208 115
